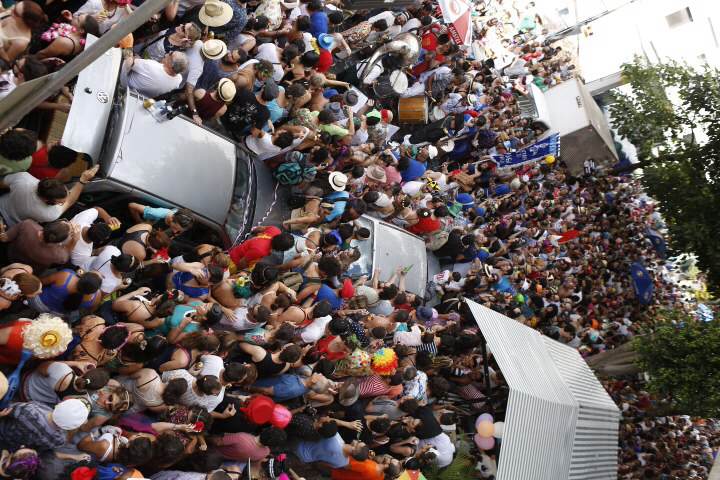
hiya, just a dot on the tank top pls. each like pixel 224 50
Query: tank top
pixel 133 237
pixel 207 106
pixel 41 388
pixel 54 296
pixel 266 367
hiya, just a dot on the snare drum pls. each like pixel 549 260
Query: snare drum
pixel 391 85
pixel 413 110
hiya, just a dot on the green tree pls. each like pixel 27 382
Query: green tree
pixel 672 117
pixel 682 357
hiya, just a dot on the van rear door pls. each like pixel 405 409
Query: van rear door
pixel 93 100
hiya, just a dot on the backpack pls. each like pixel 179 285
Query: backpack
pixel 295 170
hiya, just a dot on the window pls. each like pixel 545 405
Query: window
pixel 681 17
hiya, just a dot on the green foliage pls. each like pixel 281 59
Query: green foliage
pixel 672 117
pixel 682 357
pixel 462 466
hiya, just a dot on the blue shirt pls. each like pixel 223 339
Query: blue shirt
pixel 285 386
pixel 328 450
pixel 327 293
pixel 176 318
pixel 318 23
pixel 414 171
pixel 339 201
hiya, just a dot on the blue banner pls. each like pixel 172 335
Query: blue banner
pixel 537 151
pixel 643 283
pixel 657 241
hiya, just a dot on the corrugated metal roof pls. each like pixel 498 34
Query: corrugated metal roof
pixel 560 422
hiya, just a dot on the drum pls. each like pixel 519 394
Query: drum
pixel 391 85
pixel 437 113
pixel 413 110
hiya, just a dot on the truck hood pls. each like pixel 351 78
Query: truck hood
pixel 92 103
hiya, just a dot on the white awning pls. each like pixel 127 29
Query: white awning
pixel 560 422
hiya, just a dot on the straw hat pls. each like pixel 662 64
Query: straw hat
pixel 376 173
pixel 215 13
pixel 338 181
pixel 214 49
pixel 226 90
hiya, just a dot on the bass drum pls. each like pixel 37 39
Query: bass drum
pixel 413 110
pixel 391 85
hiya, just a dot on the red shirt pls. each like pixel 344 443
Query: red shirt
pixel 425 225
pixel 40 167
pixel 325 61
pixel 255 248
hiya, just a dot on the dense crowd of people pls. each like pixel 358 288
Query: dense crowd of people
pixel 129 352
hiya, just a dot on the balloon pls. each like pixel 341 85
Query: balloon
pixel 499 429
pixel 484 443
pixel 485 417
pixel 281 417
pixel 486 429
pixel 549 159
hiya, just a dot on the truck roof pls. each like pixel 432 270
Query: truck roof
pixel 175 160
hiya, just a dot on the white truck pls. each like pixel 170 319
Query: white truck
pixel 570 110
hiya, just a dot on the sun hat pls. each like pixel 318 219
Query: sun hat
pixel 350 98
pixel 349 393
pixel 325 41
pixel 426 314
pixel 338 181
pixel 448 145
pixel 214 49
pixel 376 173
pixel 70 414
pixel 226 90
pixel 215 14
pixel 335 108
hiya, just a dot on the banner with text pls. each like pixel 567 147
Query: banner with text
pixel 549 145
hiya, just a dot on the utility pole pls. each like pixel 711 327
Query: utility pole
pixel 576 29
pixel 29 95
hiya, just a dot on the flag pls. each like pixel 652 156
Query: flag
pixel 458 16
pixel 657 241
pixel 643 282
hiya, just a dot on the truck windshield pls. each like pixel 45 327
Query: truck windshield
pixel 113 137
pixel 241 193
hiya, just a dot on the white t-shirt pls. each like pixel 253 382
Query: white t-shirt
pixel 82 253
pixel 212 365
pixel 314 332
pixel 411 24
pixel 190 398
pixel 241 322
pixel 387 15
pixel 23 203
pixel 101 264
pixel 264 148
pixel 413 338
pixel 149 78
pixel 269 52
pixel 156 51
